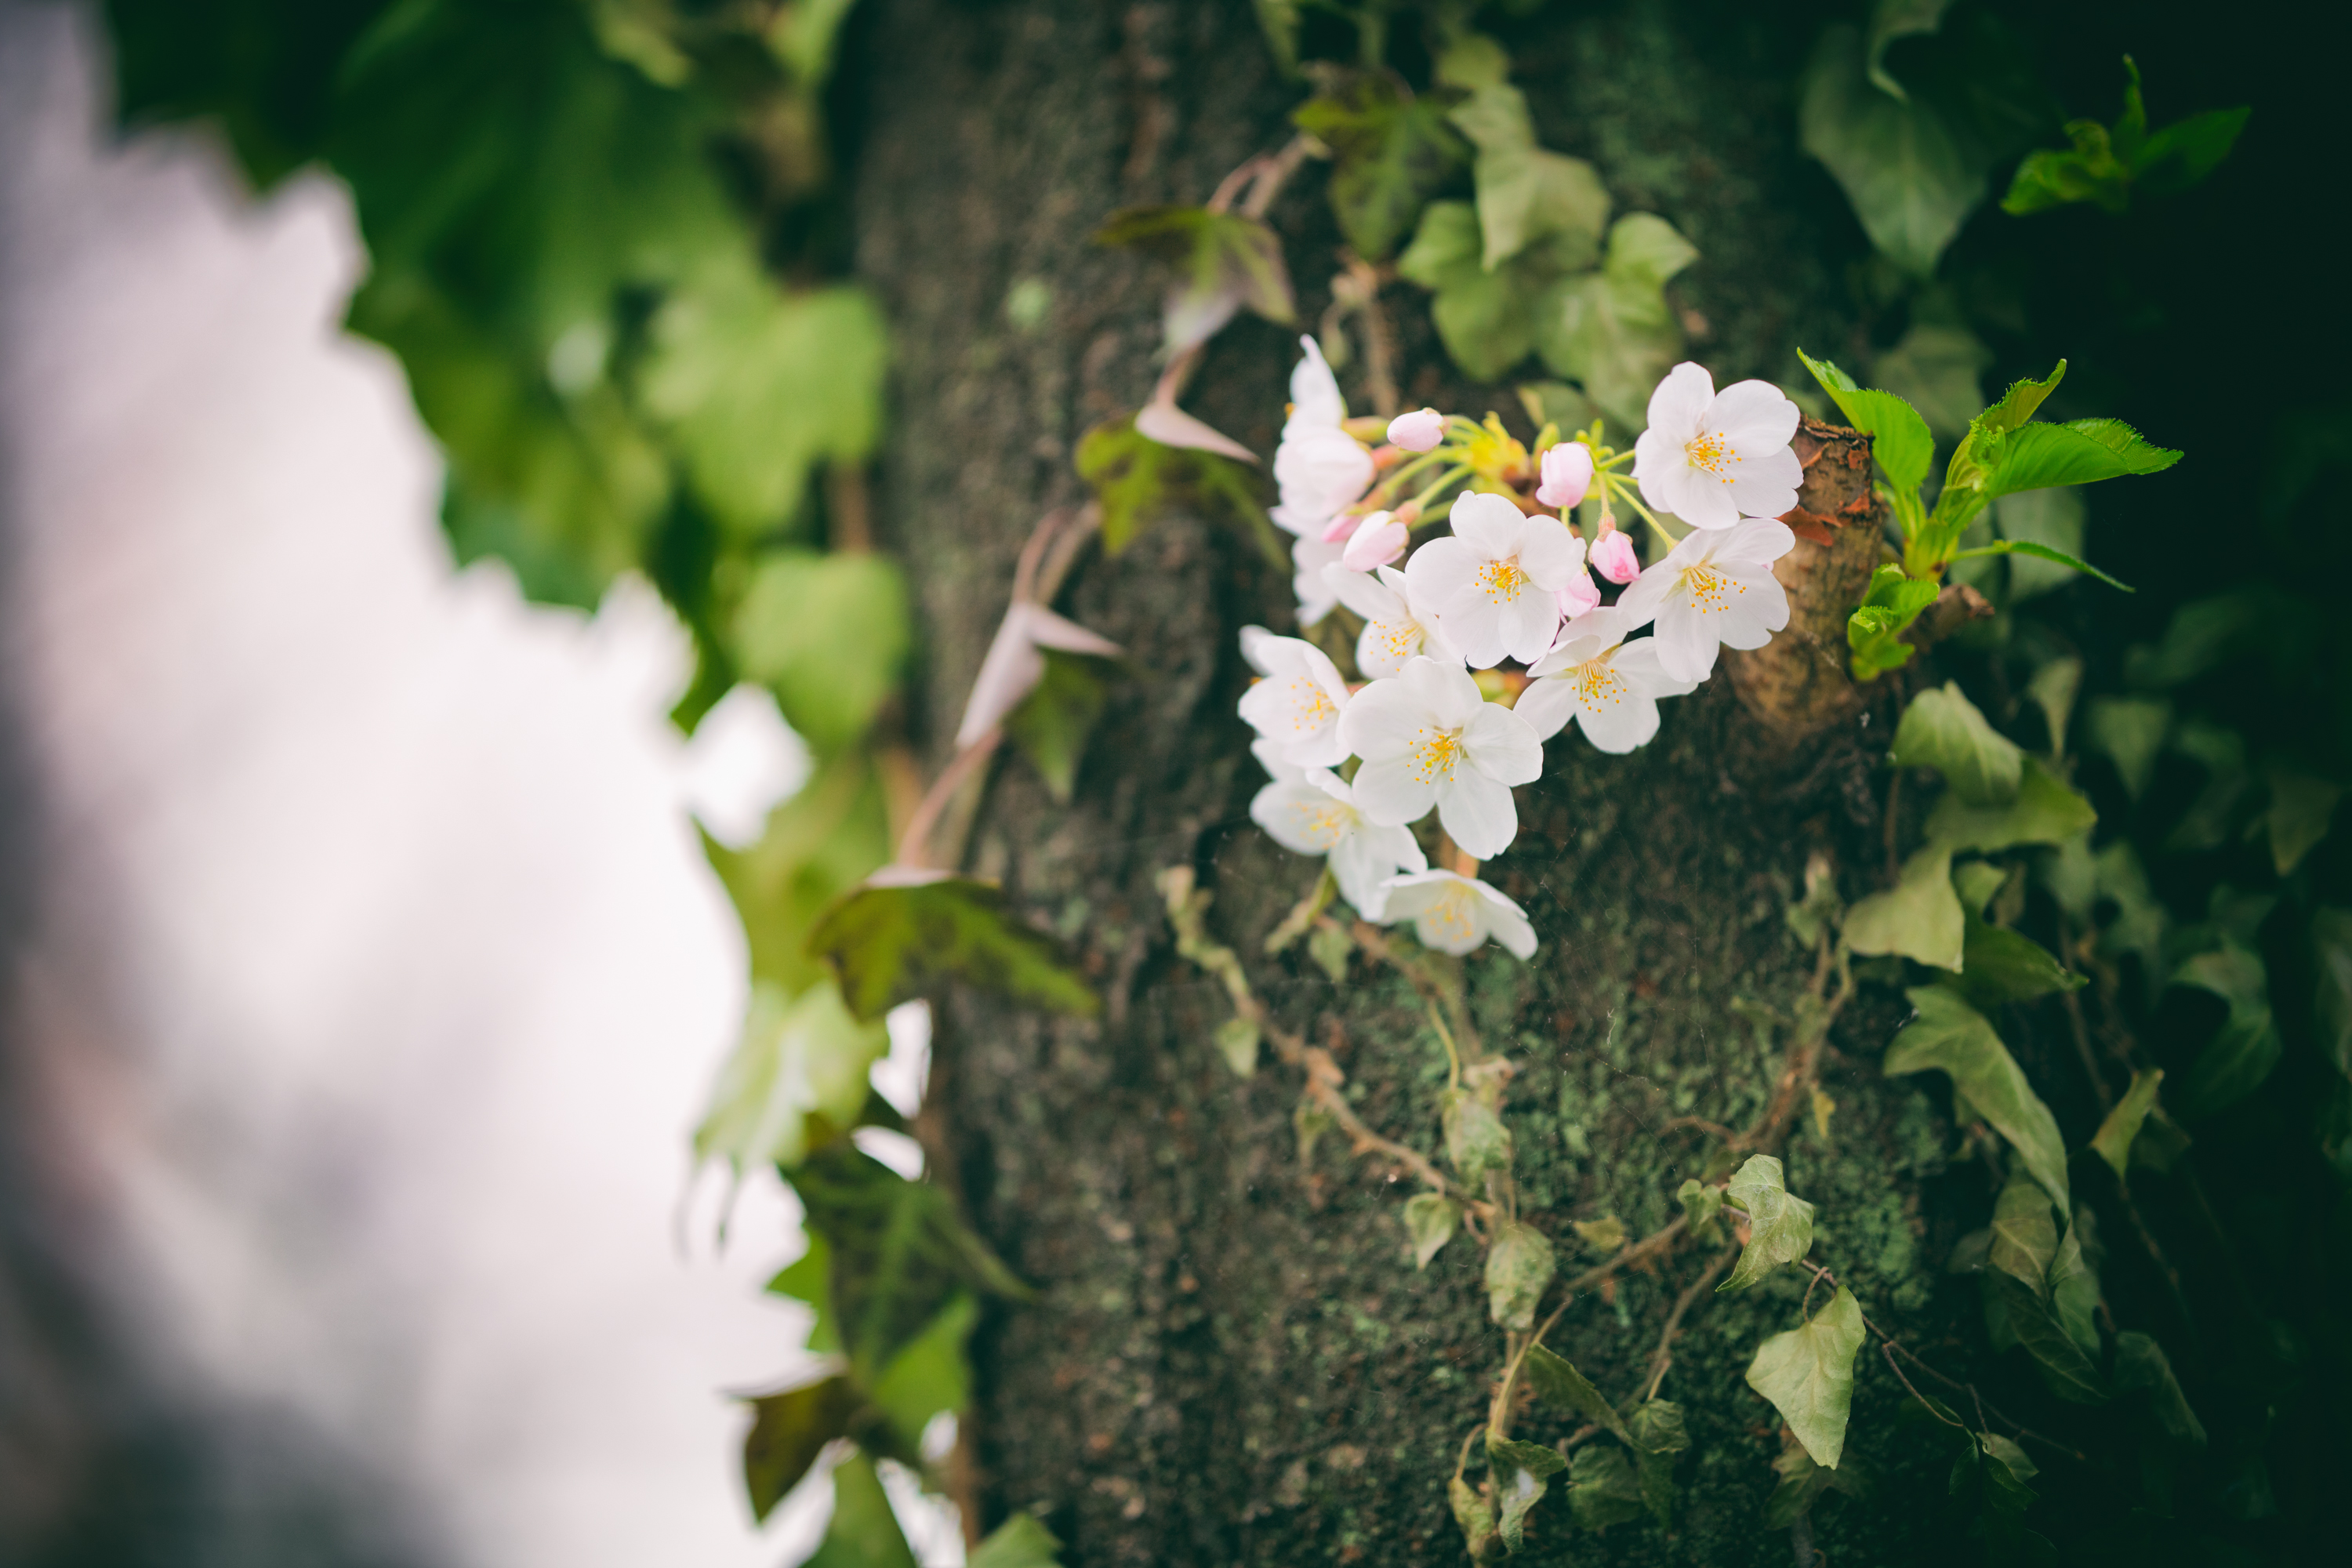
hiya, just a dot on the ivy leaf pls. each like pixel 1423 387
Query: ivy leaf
pixel 1486 320
pixel 2113 1141
pixel 1658 1435
pixel 829 634
pixel 798 1075
pixel 2331 945
pixel 890 944
pixel 1520 1269
pixel 1224 262
pixel 1612 330
pixel 897 1254
pixel 1569 1392
pixel 1392 151
pixel 788 1431
pixel 2024 1236
pixel 2129 731
pixel 2045 812
pixel 1780 1224
pixel 865 1532
pixel 1802 1484
pixel 1525 192
pixel 1908 177
pixel 2241 1055
pixel 1605 1235
pixel 1900 441
pixel 819 844
pixel 1522 1473
pixel 2142 1367
pixel 1019 1542
pixel 1051 724
pixel 1474 1513
pixel 1807 1374
pixel 1920 917
pixel 1430 1220
pixel 2002 965
pixel 2301 805
pixel 1943 730
pixel 2106 164
pixel 1702 1208
pixel 1953 1037
pixel 1135 479
pixel 931 1374
pixel 1602 1489
pixel 808 1279
pixel 1476 1141
pixel 2028 1263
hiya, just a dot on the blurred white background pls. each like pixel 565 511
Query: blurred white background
pixel 378 974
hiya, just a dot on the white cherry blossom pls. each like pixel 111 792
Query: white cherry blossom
pixel 1458 914
pixel 1428 738
pixel 1321 469
pixel 1608 686
pixel 1579 597
pixel 1711 458
pixel 1612 556
pixel 1313 812
pixel 1309 559
pixel 1381 540
pixel 1493 584
pixel 1394 632
pixel 1296 706
pixel 1713 588
pixel 1419 431
pixel 1565 475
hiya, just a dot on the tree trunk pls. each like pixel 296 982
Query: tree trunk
pixel 1232 1358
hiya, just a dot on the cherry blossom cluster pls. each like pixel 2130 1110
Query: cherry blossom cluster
pixel 1507 587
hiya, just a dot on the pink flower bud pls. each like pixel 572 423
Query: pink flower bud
pixel 1580 595
pixel 1566 474
pixel 1613 557
pixel 1419 431
pixel 1381 540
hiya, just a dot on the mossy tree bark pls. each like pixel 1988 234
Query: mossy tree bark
pixel 1232 1358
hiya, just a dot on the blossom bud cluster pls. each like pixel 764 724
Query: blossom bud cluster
pixel 1509 581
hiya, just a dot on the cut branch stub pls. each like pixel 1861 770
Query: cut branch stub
pixel 1798 684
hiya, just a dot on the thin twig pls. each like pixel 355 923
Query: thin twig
pixel 1664 1357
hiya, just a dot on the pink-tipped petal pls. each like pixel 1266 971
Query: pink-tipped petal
pixel 1419 431
pixel 1612 556
pixel 1376 545
pixel 1581 596
pixel 1566 474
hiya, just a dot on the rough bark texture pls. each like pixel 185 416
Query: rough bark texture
pixel 1233 1358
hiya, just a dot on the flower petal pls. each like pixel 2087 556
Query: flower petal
pixel 1678 402
pixel 1548 554
pixel 1365 594
pixel 1300 817
pixel 1171 427
pixel 1756 415
pixel 1478 813
pixel 1615 714
pixel 1637 661
pixel 1505 921
pixel 1546 705
pixel 1314 391
pixel 1503 745
pixel 1448 695
pixel 1391 791
pixel 1381 721
pixel 1490 525
pixel 1687 643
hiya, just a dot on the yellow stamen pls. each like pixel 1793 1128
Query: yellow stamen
pixel 1435 753
pixel 1448 919
pixel 1708 588
pixel 1711 453
pixel 1503 580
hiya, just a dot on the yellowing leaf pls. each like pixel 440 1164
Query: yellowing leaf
pixel 1430 1220
pixel 1807 1374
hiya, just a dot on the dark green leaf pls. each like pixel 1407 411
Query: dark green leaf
pixel 1910 180
pixel 2024 1236
pixel 2045 812
pixel 2160 1143
pixel 1942 729
pixel 1020 1541
pixel 2064 1367
pixel 1393 152
pixel 1802 1483
pixel 1613 331
pixel 829 634
pixel 1136 479
pixel 1525 192
pixel 2113 1142
pixel 1053 721
pixel 2331 946
pixel 1568 1391
pixel 2075 1284
pixel 1920 917
pixel 1223 263
pixel 1602 1489
pixel 788 1431
pixel 1807 1374
pixel 1658 1435
pixel 2301 805
pixel 897 1254
pixel 797 1075
pixel 1953 1037
pixel 890 944
pixel 2141 1366
pixel 1780 1224
pixel 1522 1473
pixel 808 1279
pixel 2002 965
pixel 864 1533
pixel 1518 1269
pixel 2129 730
pixel 1430 1220
pixel 1539 1461
pixel 2184 152
pixel 2240 1056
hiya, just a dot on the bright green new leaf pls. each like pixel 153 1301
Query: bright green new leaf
pixel 2331 1010
pixel 758 388
pixel 1392 153
pixel 1019 1542
pixel 1658 1435
pixel 2301 805
pixel 1476 1141
pixel 800 1069
pixel 1900 440
pixel 2141 1366
pixel 1136 479
pixel 2079 452
pixel 1280 21
pixel 930 1374
pixel 1051 724
pixel 1602 1489
pixel 1525 192
pixel 1780 1224
pixel 891 944
pixel 2048 519
pixel 1430 1220
pixel 1943 730
pixel 899 1254
pixel 1953 1037
pixel 1612 330
pixel 2106 165
pixel 822 842
pixel 788 1431
pixel 2045 812
pixel 1223 263
pixel 1920 917
pixel 1520 1268
pixel 2240 1056
pixel 2113 1142
pixel 1909 179
pixel 1874 632
pixel 829 634
pixel 1569 1392
pixel 1807 1374
pixel 2018 404
pixel 808 1279
pixel 864 1533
